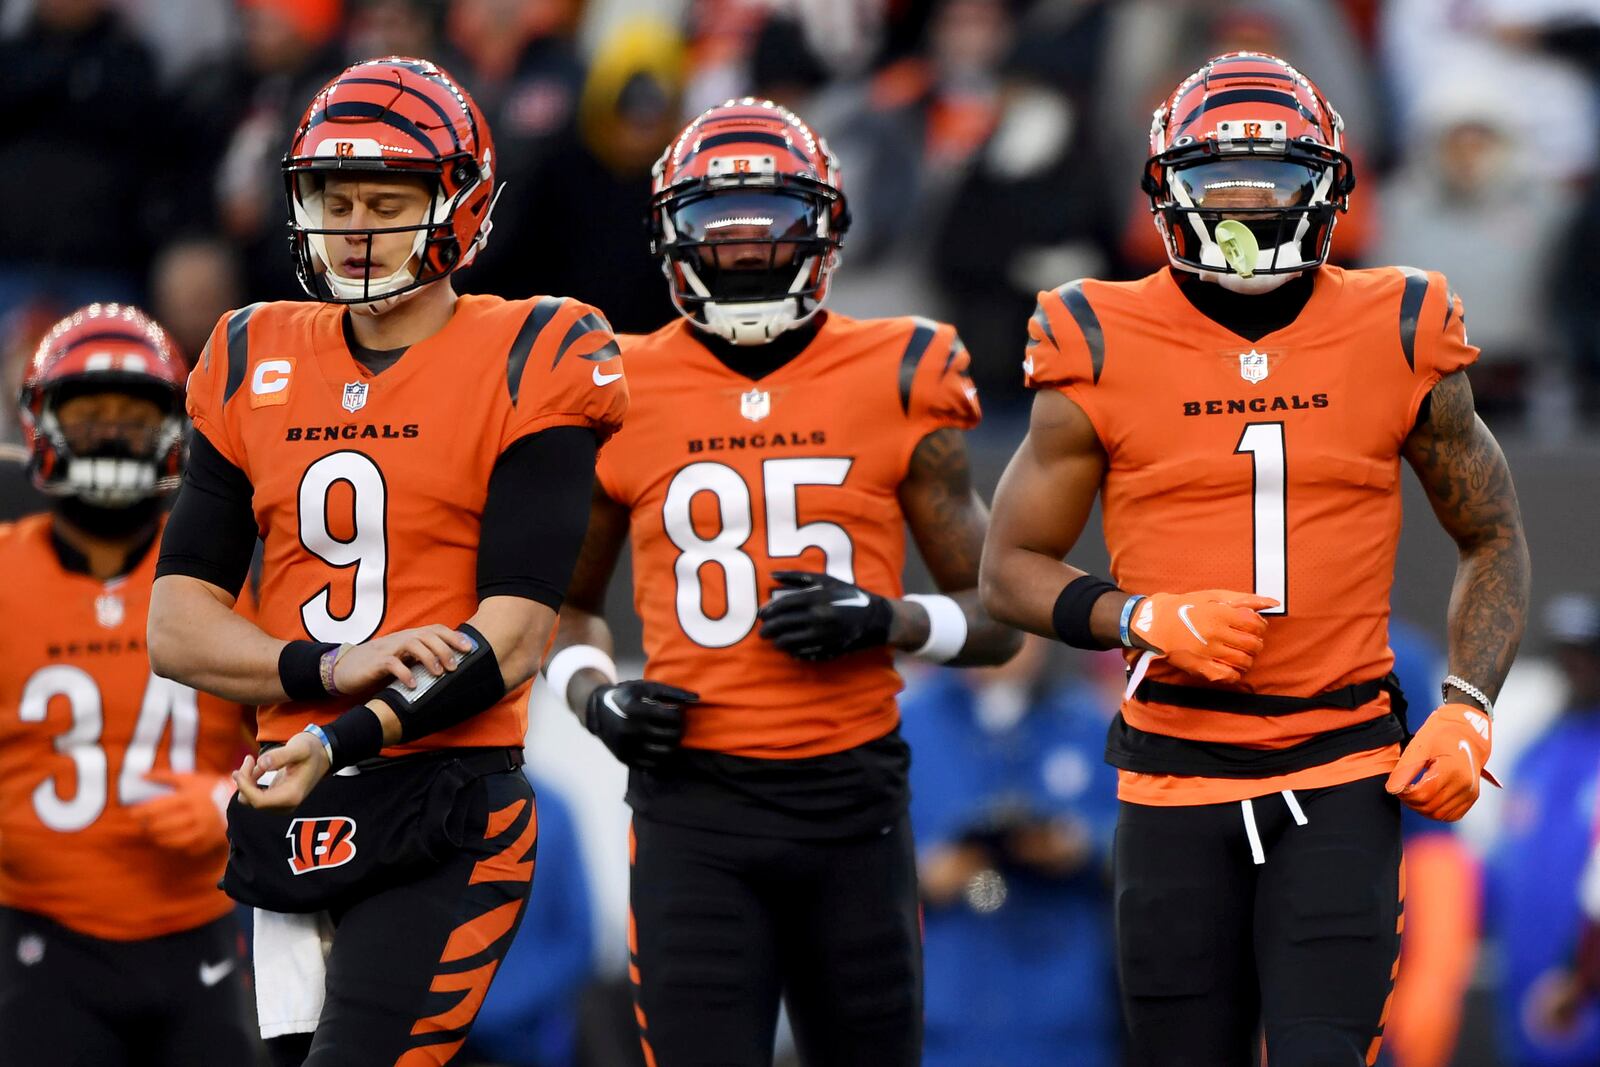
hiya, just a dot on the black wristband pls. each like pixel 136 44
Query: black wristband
pixel 1070 617
pixel 300 669
pixel 354 736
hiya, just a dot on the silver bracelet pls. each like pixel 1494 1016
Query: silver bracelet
pixel 1461 685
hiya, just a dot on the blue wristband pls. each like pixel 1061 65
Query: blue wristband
pixel 1127 617
pixel 327 746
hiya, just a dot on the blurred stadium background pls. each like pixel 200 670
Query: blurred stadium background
pixel 990 149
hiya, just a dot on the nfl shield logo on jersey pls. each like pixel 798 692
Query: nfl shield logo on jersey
pixel 755 405
pixel 355 396
pixel 108 610
pixel 1252 366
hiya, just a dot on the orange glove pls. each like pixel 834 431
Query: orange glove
pixel 1449 752
pixel 1214 633
pixel 191 818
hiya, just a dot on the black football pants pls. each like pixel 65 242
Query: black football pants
pixel 722 925
pixel 70 1000
pixel 1214 946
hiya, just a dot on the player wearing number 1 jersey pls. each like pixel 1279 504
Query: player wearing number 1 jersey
pixel 1242 416
pixel 116 947
pixel 418 465
pixel 774 458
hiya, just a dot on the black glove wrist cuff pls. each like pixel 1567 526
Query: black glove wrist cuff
pixel 354 736
pixel 300 669
pixel 1073 609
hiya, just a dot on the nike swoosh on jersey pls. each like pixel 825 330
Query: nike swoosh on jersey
pixel 1183 617
pixel 1027 365
pixel 605 379
pixel 1470 761
pixel 858 601
pixel 212 973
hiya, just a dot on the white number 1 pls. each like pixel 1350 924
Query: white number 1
pixel 1264 442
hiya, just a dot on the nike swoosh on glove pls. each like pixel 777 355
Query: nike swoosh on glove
pixel 1449 752
pixel 641 722
pixel 818 617
pixel 192 817
pixel 1213 633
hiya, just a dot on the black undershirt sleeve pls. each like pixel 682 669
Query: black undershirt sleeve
pixel 211 534
pixel 536 515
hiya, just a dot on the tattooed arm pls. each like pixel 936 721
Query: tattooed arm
pixel 948 520
pixel 1469 485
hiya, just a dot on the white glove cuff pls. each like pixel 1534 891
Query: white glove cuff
pixel 572 659
pixel 947 627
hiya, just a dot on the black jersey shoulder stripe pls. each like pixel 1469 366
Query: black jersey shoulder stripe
pixel 1450 307
pixel 1410 308
pixel 587 324
pixel 916 348
pixel 1094 338
pixel 238 349
pixel 544 309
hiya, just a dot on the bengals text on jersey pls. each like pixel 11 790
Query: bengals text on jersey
pixel 728 480
pixel 369 488
pixel 1271 466
pixel 83 724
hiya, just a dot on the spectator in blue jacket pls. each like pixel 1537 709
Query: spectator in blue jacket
pixel 1014 807
pixel 1547 1019
pixel 530 1017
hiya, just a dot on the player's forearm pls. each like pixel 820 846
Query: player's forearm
pixel 196 639
pixel 579 627
pixel 1489 610
pixel 1020 587
pixel 988 642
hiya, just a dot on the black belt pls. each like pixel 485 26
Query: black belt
pixel 1345 698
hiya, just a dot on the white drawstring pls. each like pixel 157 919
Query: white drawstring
pixel 1256 852
pixel 1294 807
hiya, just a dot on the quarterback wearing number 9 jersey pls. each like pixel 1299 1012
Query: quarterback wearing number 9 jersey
pixel 1242 416
pixel 418 466
pixel 775 456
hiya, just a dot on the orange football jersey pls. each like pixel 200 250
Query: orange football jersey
pixel 369 488
pixel 1270 466
pixel 82 722
pixel 728 480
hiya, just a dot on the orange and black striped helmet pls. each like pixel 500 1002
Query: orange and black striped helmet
pixel 104 348
pixel 748 215
pixel 391 116
pixel 1248 137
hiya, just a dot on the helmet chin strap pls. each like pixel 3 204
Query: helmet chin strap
pixel 749 324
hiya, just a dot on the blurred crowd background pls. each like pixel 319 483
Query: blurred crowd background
pixel 990 148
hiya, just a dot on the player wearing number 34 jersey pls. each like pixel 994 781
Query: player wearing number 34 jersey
pixel 418 466
pixel 775 456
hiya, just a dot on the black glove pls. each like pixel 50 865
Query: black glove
pixel 817 617
pixel 640 722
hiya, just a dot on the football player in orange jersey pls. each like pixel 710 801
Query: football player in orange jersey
pixel 419 467
pixel 774 458
pixel 1243 415
pixel 115 945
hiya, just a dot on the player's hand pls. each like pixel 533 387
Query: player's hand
pixel 1213 633
pixel 817 617
pixel 373 664
pixel 300 763
pixel 1449 752
pixel 191 818
pixel 641 722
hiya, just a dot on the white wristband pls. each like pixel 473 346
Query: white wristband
pixel 572 659
pixel 947 627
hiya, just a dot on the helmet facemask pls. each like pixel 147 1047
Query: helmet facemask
pixel 105 465
pixel 1287 194
pixel 748 254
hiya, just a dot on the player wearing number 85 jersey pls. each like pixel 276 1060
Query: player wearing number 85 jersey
pixel 774 458
pixel 1242 416
pixel 418 465
pixel 115 945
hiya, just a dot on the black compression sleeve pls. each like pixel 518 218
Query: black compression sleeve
pixel 211 534
pixel 536 515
